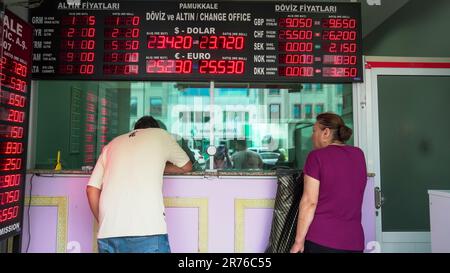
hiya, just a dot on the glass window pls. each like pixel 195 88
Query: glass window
pixel 307 87
pixel 297 111
pixel 308 111
pixel 133 106
pixel 251 130
pixel 274 92
pixel 156 107
pixel 339 109
pixel 317 87
pixel 274 112
pixel 318 108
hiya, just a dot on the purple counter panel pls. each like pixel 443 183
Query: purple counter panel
pixel 203 214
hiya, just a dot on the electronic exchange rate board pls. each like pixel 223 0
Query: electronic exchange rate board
pixel 196 41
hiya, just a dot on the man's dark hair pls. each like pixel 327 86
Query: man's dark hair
pixel 146 122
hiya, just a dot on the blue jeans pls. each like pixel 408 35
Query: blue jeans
pixel 135 244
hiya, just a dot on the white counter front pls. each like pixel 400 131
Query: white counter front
pixel 440 221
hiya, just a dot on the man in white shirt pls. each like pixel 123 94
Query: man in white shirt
pixel 125 188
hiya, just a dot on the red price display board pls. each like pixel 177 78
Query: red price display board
pixel 234 41
pixel 15 77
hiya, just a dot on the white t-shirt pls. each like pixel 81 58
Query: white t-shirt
pixel 129 173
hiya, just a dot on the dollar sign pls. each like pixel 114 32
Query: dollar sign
pixel 177 30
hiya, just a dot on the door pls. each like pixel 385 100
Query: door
pixel 403 111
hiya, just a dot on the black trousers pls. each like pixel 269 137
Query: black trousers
pixel 311 247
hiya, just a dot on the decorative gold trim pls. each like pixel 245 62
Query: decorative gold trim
pixel 202 205
pixel 240 205
pixel 176 202
pixel 61 229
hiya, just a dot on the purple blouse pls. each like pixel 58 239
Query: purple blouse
pixel 342 173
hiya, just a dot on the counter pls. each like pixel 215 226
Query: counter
pixel 205 212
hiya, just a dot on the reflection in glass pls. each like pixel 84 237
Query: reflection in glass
pixel 253 128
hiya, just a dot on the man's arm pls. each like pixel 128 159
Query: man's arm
pixel 93 195
pixel 172 169
pixel 307 208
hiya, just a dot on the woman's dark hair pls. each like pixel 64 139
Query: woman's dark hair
pixel 146 122
pixel 336 124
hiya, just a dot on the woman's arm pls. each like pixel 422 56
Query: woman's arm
pixel 307 208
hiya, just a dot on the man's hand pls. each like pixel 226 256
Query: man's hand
pixel 172 169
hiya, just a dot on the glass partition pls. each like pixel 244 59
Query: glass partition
pixel 253 128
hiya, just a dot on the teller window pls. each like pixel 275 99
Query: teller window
pixel 253 129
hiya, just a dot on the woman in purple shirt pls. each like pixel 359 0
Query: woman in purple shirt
pixel 334 180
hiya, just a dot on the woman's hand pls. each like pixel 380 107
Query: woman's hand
pixel 298 247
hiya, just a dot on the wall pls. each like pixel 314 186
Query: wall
pixel 419 29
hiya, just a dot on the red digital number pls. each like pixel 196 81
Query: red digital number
pixel 221 67
pixel 15 132
pixel 296 59
pixel 13 83
pixel 169 66
pixel 87 44
pixel 122 45
pixel 10 164
pixel 78 20
pixel 295 22
pixel 84 69
pixel 121 69
pixel 339 23
pixel 87 69
pixel 289 34
pixel 129 57
pixel 131 69
pixel 87 56
pixel 296 71
pixel 16 116
pixel 16 100
pixel 88 32
pixel 78 32
pixel 172 42
pixel 132 20
pixel 296 47
pixel 78 57
pixel 122 20
pixel 9 181
pixel 9 197
pixel 19 69
pixel 338 35
pixel 11 148
pixel 91 20
pixel 78 44
pixel 340 59
pixel 122 33
pixel 9 213
pixel 340 47
pixel 340 72
pixel 222 42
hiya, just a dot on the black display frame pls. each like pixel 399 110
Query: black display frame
pixel 47 17
pixel 20 51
